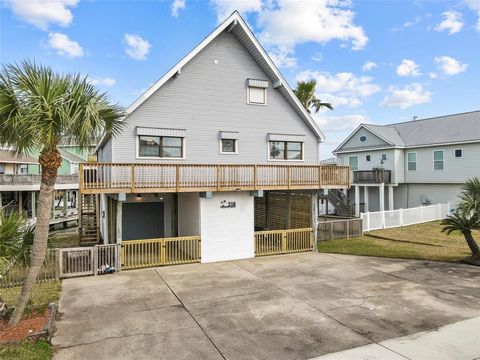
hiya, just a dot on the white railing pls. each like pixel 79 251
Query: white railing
pixel 402 217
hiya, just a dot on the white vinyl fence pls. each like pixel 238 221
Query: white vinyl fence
pixel 403 217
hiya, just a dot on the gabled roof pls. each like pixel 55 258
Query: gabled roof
pixel 441 130
pixel 237 26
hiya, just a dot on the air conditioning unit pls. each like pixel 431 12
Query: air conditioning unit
pixel 425 200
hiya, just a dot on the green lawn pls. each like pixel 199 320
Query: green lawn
pixel 422 241
pixel 42 295
pixel 41 350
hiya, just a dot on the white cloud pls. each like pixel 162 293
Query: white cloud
pixel 64 45
pixel 408 68
pixel 317 56
pixel 282 57
pixel 224 8
pixel 98 81
pixel 450 66
pixel 293 22
pixel 347 122
pixel 341 89
pixel 42 13
pixel 410 95
pixel 452 22
pixel 177 5
pixel 416 20
pixel 473 4
pixel 433 75
pixel 369 65
pixel 137 48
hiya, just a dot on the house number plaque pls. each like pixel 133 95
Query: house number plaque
pixel 224 204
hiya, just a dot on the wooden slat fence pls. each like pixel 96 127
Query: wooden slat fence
pixel 272 242
pixel 16 274
pixel 339 229
pixel 157 252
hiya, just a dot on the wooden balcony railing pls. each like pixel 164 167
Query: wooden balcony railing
pixel 137 178
pixel 375 176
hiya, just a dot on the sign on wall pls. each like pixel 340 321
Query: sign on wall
pixel 224 204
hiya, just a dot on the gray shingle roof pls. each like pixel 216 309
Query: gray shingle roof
pixel 69 156
pixel 388 133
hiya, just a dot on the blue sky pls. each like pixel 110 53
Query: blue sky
pixel 376 61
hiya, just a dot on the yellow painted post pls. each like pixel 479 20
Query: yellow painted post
pixel 122 258
pixel 284 242
pixel 162 252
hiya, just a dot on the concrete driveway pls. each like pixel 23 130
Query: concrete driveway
pixel 280 307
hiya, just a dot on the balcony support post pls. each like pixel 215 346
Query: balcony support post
pixel 381 196
pixel 390 197
pixel 365 195
pixel 357 200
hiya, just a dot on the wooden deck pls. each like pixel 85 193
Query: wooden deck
pixel 140 178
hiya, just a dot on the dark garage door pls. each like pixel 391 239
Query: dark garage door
pixel 142 220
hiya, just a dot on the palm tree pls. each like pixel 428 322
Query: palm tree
pixel 38 107
pixel 470 196
pixel 305 92
pixel 464 222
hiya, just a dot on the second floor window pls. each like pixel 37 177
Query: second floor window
pixel 160 146
pixel 286 150
pixel 257 92
pixel 438 160
pixel 412 161
pixel 228 146
pixel 353 162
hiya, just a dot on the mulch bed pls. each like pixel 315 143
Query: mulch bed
pixel 33 323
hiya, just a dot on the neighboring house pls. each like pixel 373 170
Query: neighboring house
pixel 412 163
pixel 20 183
pixel 203 150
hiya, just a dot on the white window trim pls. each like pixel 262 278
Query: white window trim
pixel 227 153
pixel 285 160
pixel 412 152
pixel 137 151
pixel 354 156
pixel 433 160
pixel 457 157
pixel 255 103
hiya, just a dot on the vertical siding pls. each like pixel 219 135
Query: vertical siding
pixel 227 233
pixel 210 96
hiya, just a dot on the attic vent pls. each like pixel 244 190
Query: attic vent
pixel 257 83
pixel 363 138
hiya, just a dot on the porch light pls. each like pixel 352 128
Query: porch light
pixel 139 196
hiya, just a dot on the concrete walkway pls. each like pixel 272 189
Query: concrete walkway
pixel 281 307
pixel 459 341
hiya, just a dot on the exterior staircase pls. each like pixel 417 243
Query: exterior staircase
pixel 88 225
pixel 340 201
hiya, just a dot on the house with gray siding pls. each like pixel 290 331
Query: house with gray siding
pixel 218 147
pixel 413 163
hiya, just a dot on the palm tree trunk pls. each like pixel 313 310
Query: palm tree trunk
pixel 471 243
pixel 50 161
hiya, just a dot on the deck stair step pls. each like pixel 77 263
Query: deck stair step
pixel 88 219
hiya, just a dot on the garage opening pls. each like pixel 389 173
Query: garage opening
pixel 143 220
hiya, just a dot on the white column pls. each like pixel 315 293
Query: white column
pixel 357 200
pixel 381 193
pixel 390 198
pixel 367 207
pixel 119 222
